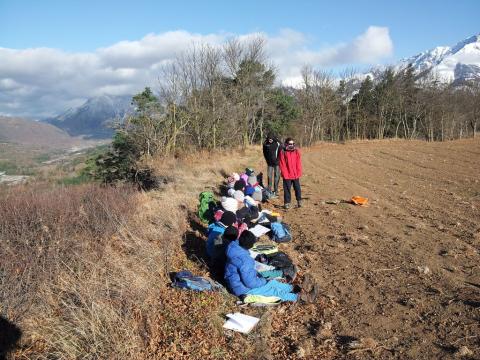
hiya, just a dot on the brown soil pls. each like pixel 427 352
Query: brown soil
pixel 401 276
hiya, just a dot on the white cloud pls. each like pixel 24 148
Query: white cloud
pixel 40 82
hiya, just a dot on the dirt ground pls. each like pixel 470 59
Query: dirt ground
pixel 400 278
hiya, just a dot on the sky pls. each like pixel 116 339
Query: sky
pixel 56 54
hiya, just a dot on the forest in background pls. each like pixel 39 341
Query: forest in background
pixel 212 98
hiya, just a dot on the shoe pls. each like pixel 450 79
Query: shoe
pixel 308 282
pixel 299 203
pixel 286 206
pixel 274 195
pixel 310 296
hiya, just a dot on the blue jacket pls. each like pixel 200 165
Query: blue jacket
pixel 240 273
pixel 214 230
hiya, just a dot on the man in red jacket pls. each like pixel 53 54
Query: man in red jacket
pixel 291 169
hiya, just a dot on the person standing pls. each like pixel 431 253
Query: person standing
pixel 271 152
pixel 290 164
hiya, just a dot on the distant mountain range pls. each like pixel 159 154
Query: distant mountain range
pixel 95 118
pixel 457 64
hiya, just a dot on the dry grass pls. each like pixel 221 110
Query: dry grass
pixel 87 268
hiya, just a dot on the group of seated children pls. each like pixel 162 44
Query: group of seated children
pixel 229 242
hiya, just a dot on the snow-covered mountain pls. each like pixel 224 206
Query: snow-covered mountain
pixel 458 63
pixel 95 117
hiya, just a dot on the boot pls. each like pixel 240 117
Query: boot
pixel 310 296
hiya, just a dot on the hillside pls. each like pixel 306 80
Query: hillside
pixel 399 278
pixel 33 133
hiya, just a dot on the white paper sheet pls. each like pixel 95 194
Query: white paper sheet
pixel 241 322
pixel 259 230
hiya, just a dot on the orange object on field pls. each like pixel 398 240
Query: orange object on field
pixel 358 200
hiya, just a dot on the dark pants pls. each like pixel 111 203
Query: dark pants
pixel 287 185
pixel 273 174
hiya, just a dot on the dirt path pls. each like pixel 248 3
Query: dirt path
pixel 404 271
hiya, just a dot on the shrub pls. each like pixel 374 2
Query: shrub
pixel 44 229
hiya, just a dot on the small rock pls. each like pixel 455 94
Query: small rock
pixel 463 352
pixel 363 227
pixel 332 202
pixel 424 270
pixel 300 352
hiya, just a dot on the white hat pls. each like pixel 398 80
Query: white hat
pixel 231 192
pixel 229 204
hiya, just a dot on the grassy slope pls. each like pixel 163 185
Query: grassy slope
pixel 111 298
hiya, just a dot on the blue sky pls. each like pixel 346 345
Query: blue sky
pixel 86 25
pixel 55 54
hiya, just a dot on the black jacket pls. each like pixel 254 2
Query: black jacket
pixel 271 152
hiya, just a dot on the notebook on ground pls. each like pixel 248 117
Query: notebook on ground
pixel 259 230
pixel 240 322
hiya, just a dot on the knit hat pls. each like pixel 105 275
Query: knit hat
pixel 252 180
pixel 228 218
pixel 231 233
pixel 247 239
pixel 249 190
pixel 239 185
pixel 239 195
pixel 231 192
pixel 229 204
pixel 257 195
pixel 249 171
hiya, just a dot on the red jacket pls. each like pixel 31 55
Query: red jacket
pixel 290 164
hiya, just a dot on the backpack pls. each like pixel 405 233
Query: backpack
pixel 186 280
pixel 280 232
pixel 206 206
pixel 283 262
pixel 266 195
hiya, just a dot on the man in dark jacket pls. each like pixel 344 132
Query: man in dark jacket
pixel 271 152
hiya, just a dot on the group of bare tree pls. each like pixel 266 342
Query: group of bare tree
pixel 215 97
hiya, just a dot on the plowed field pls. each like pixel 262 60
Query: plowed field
pixel 402 274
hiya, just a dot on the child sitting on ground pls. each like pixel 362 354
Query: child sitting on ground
pixel 217 229
pixel 241 277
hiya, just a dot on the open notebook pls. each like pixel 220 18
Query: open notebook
pixel 259 230
pixel 240 322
